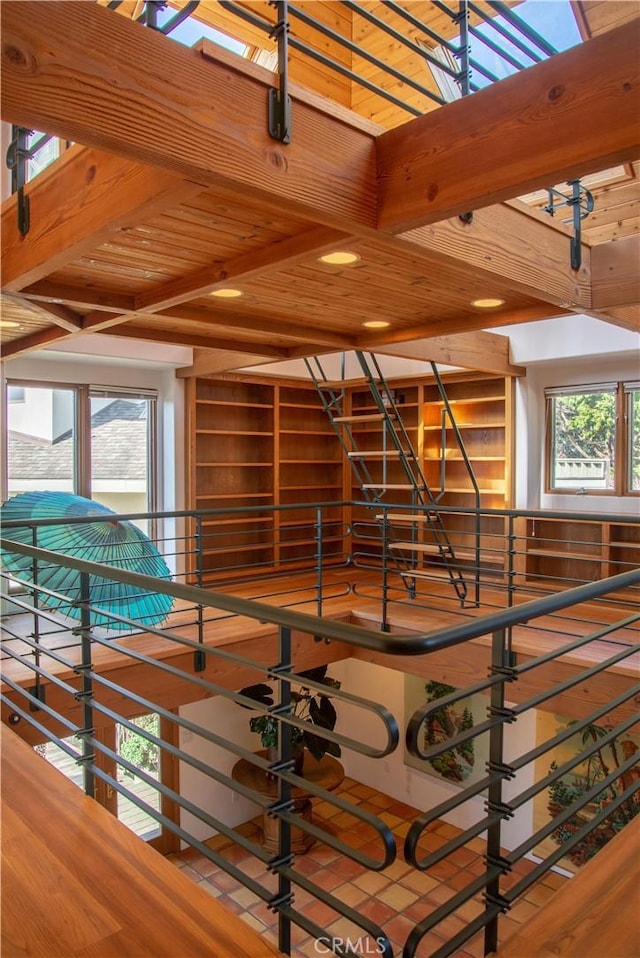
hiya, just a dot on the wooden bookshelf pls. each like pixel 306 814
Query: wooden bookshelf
pixel 561 553
pixel 269 443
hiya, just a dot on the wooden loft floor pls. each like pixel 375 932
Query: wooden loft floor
pixel 596 913
pixel 158 215
pixel 76 882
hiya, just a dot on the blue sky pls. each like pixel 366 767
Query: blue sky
pixel 552 19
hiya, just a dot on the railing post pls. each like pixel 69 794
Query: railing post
pixel 284 788
pixel 38 689
pixel 279 100
pixel 385 567
pixel 87 687
pixel 494 792
pixel 17 156
pixel 465 50
pixel 319 558
pixel 199 658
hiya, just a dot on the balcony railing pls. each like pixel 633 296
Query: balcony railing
pixel 85 678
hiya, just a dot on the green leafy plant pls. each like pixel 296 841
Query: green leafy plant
pixel 136 748
pixel 310 705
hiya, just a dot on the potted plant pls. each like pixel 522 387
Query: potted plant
pixel 310 705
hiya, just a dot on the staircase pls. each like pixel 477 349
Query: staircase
pixel 395 446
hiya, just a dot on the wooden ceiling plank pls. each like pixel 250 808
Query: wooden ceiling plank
pixel 488 352
pixel 616 273
pixel 125 104
pixel 103 194
pixel 572 114
pixel 290 251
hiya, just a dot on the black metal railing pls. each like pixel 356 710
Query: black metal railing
pixel 53 691
pixel 456 55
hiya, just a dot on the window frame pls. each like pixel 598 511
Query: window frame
pixel 622 440
pixel 83 393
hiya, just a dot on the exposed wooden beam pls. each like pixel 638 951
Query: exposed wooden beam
pixel 288 252
pixel 103 194
pixel 573 114
pixel 208 362
pixel 78 297
pixel 506 242
pixel 205 342
pixel 26 344
pixel 488 352
pixel 265 323
pixel 139 102
pixel 627 317
pixel 616 273
pixel 54 313
pixel 465 323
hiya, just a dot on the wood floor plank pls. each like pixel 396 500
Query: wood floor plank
pixel 597 913
pixel 76 882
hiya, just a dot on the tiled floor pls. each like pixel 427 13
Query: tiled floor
pixel 396 899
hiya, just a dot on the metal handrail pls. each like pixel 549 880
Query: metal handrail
pixel 412 644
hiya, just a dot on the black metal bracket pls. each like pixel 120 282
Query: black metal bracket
pixel 199 661
pixel 17 156
pixel 581 203
pixel 38 692
pixel 279 100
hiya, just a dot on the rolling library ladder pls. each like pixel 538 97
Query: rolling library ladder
pixel 394 447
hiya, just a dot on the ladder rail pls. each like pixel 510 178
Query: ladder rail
pixel 385 401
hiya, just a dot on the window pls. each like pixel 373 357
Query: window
pixel 95 442
pixel 594 439
pixel 632 420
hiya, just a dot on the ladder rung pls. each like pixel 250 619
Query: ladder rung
pixel 393 518
pixel 374 454
pixel 387 485
pixel 340 383
pixel 369 417
pixel 416 547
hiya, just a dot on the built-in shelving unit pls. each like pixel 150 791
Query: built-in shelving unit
pixel 573 551
pixel 482 410
pixel 256 443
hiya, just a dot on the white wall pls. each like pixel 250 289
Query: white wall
pixel 230 721
pixel 570 350
pixel 530 431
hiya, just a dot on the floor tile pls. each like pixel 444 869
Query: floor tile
pixel 396 899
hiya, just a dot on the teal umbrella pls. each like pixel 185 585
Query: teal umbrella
pixel 113 541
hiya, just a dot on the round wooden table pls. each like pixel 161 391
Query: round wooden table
pixel 328 773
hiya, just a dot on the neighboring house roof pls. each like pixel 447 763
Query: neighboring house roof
pixel 118 447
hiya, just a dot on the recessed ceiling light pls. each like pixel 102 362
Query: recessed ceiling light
pixel 487 303
pixel 8 324
pixel 376 324
pixel 227 293
pixel 339 257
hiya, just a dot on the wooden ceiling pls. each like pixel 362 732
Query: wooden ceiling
pixel 175 196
